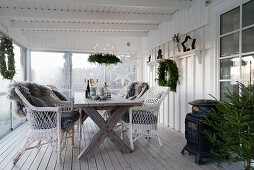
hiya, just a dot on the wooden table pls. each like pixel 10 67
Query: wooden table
pixel 106 126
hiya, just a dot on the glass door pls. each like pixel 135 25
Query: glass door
pixel 8 120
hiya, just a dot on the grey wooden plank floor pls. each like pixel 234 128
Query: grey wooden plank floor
pixel 148 154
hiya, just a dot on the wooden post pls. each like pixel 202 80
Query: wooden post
pixel 249 130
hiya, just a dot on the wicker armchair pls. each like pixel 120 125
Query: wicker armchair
pixel 142 120
pixel 132 91
pixel 48 125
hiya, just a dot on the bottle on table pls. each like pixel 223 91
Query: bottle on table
pixel 87 89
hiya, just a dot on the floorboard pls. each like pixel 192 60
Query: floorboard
pixel 147 155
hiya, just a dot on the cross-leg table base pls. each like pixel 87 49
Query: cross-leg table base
pixel 106 130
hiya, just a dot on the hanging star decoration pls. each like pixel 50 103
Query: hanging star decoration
pixel 132 60
pixel 110 69
pixel 126 60
pixel 123 74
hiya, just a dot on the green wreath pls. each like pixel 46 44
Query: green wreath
pixel 106 59
pixel 168 68
pixel 6 49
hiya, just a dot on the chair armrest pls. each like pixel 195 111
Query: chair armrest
pixel 144 108
pixel 65 105
pixel 46 109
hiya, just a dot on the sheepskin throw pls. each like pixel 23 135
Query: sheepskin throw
pixel 28 90
pixel 135 90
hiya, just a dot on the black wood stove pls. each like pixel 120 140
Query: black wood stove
pixel 197 143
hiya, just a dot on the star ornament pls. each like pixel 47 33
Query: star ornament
pixel 111 68
pixel 131 61
pixel 127 60
pixel 185 44
pixel 123 74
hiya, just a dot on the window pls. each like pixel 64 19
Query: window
pixel 236 48
pixel 50 68
pixel 7 119
pixel 83 70
pixel 68 71
pixel 116 76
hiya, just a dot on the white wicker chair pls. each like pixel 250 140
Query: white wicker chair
pixel 143 119
pixel 45 126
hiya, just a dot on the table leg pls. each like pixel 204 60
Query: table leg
pixel 106 130
pixel 80 124
pixel 120 144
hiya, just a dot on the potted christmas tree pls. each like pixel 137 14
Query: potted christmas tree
pixel 233 138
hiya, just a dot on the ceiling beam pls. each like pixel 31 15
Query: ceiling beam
pixel 52 14
pixel 81 26
pixel 81 34
pixel 163 4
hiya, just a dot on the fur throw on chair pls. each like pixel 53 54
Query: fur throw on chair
pixel 27 89
pixel 135 90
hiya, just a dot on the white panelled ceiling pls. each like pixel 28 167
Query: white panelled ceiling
pixel 73 17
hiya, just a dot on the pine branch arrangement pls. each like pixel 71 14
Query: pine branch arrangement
pixel 176 38
pixel 106 59
pixel 233 138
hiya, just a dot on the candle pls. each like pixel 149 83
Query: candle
pixel 96 48
pixel 113 50
pixel 108 48
pixel 104 50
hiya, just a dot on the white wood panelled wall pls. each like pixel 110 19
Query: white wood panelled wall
pixel 5 27
pixel 197 80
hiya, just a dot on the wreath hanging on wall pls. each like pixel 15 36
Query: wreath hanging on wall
pixel 168 74
pixel 6 50
pixel 106 59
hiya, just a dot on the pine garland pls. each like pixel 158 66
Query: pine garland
pixel 106 59
pixel 168 67
pixel 6 49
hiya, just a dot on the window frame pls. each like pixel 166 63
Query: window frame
pixel 240 54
